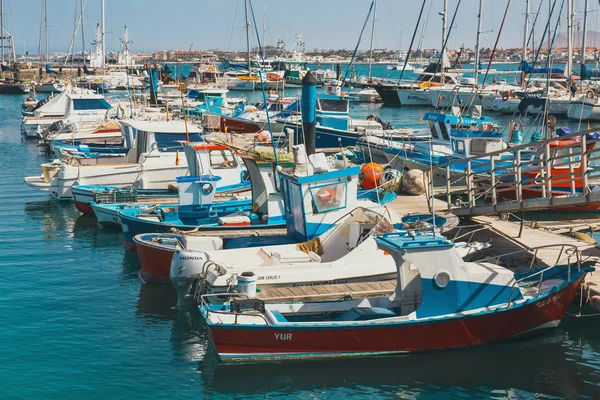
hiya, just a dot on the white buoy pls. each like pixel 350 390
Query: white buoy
pixel 246 284
pixel 413 182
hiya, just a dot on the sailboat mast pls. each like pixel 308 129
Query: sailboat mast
pixel 525 32
pixel 476 66
pixel 583 37
pixel 444 27
pixel 570 38
pixel 372 37
pixel 46 26
pixel 82 33
pixel 2 27
pixel 247 34
pixel 103 36
pixel 444 32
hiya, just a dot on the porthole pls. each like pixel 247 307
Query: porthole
pixel 441 279
pixel 207 188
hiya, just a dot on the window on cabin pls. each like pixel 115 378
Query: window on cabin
pixel 328 197
pixel 333 105
pixel 561 158
pixel 222 159
pixel 483 146
pixel 459 146
pixel 171 142
pixel 432 129
pixel 91 104
pixel 444 131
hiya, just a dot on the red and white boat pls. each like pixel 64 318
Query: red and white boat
pixel 440 302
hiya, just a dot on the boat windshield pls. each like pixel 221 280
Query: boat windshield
pixel 91 104
pixel 170 142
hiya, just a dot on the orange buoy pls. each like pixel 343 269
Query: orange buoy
pixel 370 173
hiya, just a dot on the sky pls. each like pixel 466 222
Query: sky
pixel 324 24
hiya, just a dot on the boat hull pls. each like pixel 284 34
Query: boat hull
pixel 272 343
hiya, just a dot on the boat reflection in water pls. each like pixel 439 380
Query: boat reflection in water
pixel 157 305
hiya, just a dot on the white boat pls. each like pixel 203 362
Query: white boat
pixel 466 93
pixel 400 67
pixel 49 87
pixel 54 110
pixel 85 110
pixel 587 109
pixel 153 161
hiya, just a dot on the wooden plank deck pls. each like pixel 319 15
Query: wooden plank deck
pixel 235 233
pixel 356 290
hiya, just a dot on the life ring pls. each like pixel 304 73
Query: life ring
pixel 211 69
pixel 590 94
pixel 505 96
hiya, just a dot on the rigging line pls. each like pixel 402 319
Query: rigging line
pixel 233 17
pixel 424 28
pixel 448 35
pixel 412 40
pixel 358 43
pixel 496 43
pixel 546 31
pixel 533 24
pixel 262 85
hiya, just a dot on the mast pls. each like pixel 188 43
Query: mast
pixel 570 38
pixel 247 35
pixel 525 32
pixel 2 27
pixel 103 36
pixel 82 34
pixel 372 37
pixel 476 66
pixel 46 27
pixel 444 33
pixel 264 30
pixel 583 37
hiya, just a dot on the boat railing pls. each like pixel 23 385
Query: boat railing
pixel 573 252
pixel 569 250
pixel 550 173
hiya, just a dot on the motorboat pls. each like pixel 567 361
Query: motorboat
pixel 153 161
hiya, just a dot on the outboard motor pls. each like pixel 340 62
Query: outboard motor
pixel 188 268
pixel 384 125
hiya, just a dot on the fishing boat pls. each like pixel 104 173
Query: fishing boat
pixel 440 302
pixel 290 205
pixel 452 137
pixel 201 159
pixel 152 162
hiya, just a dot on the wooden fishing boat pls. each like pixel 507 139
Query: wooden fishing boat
pixel 440 302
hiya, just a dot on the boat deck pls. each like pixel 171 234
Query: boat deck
pixel 340 291
pixel 235 233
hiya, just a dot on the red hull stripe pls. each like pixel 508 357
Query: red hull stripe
pixel 155 261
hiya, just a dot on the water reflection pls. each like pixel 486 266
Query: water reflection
pixel 539 365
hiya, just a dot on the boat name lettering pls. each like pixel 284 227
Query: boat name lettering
pixel 267 277
pixel 283 336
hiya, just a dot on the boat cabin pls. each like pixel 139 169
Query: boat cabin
pixel 432 273
pixel 151 138
pixel 468 136
pixel 309 199
pixel 86 107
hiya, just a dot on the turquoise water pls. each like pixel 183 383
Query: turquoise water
pixel 77 323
